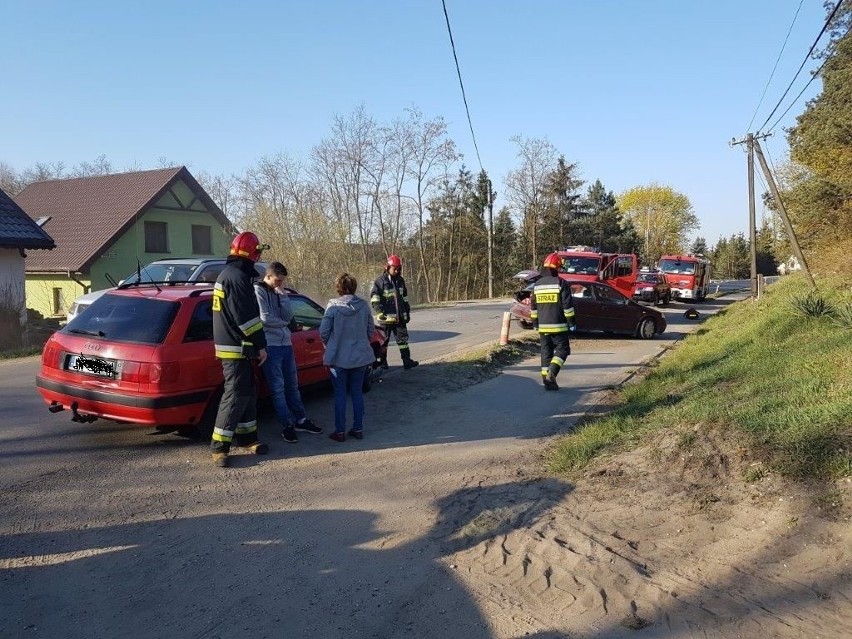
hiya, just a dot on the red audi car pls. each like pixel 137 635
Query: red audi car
pixel 143 353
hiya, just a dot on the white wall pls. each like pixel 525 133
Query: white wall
pixel 12 279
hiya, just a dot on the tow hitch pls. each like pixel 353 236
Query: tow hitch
pixel 77 417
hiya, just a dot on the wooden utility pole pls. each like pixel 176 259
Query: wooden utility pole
pixel 752 218
pixel 790 233
pixel 490 241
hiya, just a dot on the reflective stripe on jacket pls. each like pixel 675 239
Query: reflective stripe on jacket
pixel 236 316
pixel 389 297
pixel 551 306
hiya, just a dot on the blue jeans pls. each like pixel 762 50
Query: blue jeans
pixel 280 372
pixel 348 381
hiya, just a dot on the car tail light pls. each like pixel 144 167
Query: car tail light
pixel 161 373
pixel 50 355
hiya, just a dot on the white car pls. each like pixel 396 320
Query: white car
pixel 173 270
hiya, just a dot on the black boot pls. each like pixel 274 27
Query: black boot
pixel 407 362
pixel 550 379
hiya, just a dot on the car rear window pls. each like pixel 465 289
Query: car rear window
pixel 123 318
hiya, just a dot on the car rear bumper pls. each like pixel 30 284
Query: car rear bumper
pixel 178 408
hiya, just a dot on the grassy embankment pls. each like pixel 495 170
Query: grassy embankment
pixel 776 374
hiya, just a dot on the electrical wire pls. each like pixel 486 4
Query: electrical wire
pixel 774 68
pixel 802 66
pixel 461 84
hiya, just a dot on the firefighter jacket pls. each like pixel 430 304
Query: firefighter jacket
pixel 237 329
pixel 389 298
pixel 551 307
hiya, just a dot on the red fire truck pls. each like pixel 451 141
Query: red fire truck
pixel 688 275
pixel 587 263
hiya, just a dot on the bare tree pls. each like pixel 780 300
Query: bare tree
pixel 526 185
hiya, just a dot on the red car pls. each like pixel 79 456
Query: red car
pixel 143 353
pixel 652 287
pixel 598 307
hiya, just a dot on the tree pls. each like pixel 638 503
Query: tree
pixel 601 225
pixel 562 204
pixel 731 258
pixel 698 246
pixel 525 189
pixel 507 260
pixel 662 216
pixel 765 250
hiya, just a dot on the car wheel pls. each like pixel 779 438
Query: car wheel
pixel 203 429
pixel 646 328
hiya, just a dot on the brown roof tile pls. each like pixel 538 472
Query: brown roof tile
pixel 88 213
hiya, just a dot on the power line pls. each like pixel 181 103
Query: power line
pixel 802 66
pixel 461 84
pixel 777 60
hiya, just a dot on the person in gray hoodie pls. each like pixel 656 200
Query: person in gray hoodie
pixel 346 329
pixel 276 313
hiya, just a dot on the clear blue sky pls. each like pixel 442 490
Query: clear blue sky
pixel 634 91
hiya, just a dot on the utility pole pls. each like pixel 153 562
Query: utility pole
pixel 783 211
pixel 750 141
pixel 490 241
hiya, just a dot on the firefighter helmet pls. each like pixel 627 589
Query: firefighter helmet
pixel 552 261
pixel 394 260
pixel 247 245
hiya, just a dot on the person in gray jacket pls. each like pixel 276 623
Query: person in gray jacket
pixel 279 368
pixel 345 330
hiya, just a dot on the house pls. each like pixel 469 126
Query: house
pixel 18 233
pixel 790 265
pixel 105 225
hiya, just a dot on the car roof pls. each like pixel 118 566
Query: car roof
pixel 170 291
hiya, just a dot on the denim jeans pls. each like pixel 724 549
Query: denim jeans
pixel 280 372
pixel 348 382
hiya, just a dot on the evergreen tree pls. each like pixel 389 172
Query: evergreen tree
pixel 698 246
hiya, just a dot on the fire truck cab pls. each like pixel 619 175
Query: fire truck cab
pixel 587 263
pixel 688 275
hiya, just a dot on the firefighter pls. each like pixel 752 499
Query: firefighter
pixel 238 338
pixel 389 299
pixel 552 313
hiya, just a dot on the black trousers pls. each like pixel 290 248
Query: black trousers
pixel 554 349
pixel 236 421
pixel 400 333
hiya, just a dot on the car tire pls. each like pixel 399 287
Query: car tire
pixel 646 328
pixel 202 430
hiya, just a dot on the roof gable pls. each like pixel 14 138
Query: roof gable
pixel 88 214
pixel 17 229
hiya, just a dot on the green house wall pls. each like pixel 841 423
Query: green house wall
pixel 120 258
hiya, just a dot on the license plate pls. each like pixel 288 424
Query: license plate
pixel 91 366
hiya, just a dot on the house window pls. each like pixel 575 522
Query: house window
pixel 201 243
pixel 156 237
pixel 57 301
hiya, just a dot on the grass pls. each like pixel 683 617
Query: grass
pixel 780 378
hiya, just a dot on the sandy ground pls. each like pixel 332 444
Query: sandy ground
pixel 442 522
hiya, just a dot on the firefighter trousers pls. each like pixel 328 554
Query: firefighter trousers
pixel 554 349
pixel 236 421
pixel 400 333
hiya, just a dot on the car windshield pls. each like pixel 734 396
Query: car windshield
pixel 122 318
pixel 677 267
pixel 581 265
pixel 647 277
pixel 163 273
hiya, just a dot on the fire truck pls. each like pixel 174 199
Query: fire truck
pixel 688 275
pixel 587 263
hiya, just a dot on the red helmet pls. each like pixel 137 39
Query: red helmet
pixel 247 245
pixel 552 261
pixel 394 260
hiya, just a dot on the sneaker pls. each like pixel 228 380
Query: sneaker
pixel 308 426
pixel 258 448
pixel 411 363
pixel 357 434
pixel 220 460
pixel 338 437
pixel 289 435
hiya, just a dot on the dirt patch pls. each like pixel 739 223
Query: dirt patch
pixel 671 540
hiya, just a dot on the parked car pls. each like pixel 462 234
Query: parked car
pixel 652 287
pixel 598 307
pixel 188 269
pixel 143 353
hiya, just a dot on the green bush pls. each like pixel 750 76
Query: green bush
pixel 812 304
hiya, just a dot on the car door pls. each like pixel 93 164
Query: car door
pixel 586 309
pixel 307 345
pixel 615 309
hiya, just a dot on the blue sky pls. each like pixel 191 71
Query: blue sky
pixel 634 91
